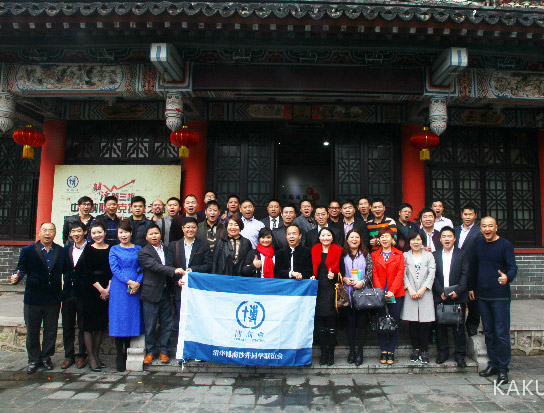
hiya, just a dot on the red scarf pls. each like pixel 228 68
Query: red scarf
pixel 333 257
pixel 268 265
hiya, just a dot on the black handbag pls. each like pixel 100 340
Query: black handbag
pixel 449 314
pixel 368 298
pixel 384 324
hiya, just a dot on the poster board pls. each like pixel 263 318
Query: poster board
pixel 98 181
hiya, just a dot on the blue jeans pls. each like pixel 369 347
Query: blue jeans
pixel 388 342
pixel 161 311
pixel 496 324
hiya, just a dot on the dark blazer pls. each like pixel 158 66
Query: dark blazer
pixel 458 276
pixel 42 286
pixel 402 241
pixel 266 222
pixel 312 237
pixel 202 231
pixel 199 261
pixel 156 274
pixel 138 230
pixel 74 276
pixel 66 228
pixel 358 226
pixel 279 240
pixel 435 237
pixel 469 248
pixel 201 215
pixel 302 262
pixel 248 269
pixel 223 255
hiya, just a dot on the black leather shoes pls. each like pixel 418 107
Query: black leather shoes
pixel 489 371
pixel 503 377
pixel 47 364
pixel 32 368
pixel 359 358
pixel 441 359
pixel 472 331
pixel 461 363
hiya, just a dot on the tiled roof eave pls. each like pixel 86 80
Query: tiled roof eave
pixel 420 12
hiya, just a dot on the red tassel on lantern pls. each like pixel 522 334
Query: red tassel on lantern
pixel 425 140
pixel 28 138
pixel 184 138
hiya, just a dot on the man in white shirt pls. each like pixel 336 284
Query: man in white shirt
pixel 252 226
pixel 428 232
pixel 273 220
pixel 440 221
pixel 450 287
pixel 72 301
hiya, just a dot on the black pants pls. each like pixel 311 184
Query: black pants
pixel 358 323
pixel 419 335
pixel 473 316
pixel 72 312
pixel 35 315
pixel 459 339
pixel 325 322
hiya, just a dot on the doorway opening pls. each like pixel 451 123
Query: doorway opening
pixel 304 166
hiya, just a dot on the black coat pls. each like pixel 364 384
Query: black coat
pixel 266 222
pixel 458 276
pixel 223 255
pixel 312 237
pixel 435 237
pixel 199 261
pixel 469 248
pixel 156 274
pixel 74 276
pixel 248 269
pixel 139 230
pixel 66 228
pixel 279 240
pixel 302 262
pixel 42 286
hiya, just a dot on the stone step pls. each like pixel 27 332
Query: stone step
pixel 341 366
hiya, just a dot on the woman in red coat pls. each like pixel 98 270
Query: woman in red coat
pixel 326 265
pixel 388 274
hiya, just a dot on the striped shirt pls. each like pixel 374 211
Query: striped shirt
pixel 374 228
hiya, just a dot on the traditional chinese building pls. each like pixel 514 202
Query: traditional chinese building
pixel 290 99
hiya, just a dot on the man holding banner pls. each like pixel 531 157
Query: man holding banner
pixel 247 321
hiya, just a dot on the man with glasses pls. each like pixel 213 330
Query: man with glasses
pixel 85 205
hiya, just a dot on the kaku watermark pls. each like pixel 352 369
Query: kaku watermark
pixel 523 388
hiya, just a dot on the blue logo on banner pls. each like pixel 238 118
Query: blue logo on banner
pixel 250 314
pixel 72 181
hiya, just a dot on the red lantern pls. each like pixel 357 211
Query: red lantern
pixel 425 140
pixel 28 138
pixel 184 138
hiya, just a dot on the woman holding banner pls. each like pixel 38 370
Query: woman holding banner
pixel 388 274
pixel 356 268
pixel 124 309
pixel 326 256
pixel 260 261
pixel 230 252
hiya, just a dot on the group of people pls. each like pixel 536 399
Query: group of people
pixel 127 274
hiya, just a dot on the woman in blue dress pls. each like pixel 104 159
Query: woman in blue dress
pixel 124 310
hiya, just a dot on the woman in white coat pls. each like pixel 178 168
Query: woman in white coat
pixel 418 307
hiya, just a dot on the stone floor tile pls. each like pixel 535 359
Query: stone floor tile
pixel 62 394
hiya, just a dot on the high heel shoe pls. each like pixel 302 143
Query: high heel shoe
pixel 96 367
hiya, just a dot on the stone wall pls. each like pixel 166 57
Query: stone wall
pixel 529 283
pixel 9 255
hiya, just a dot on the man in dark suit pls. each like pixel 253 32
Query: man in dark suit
pixel 72 298
pixel 288 215
pixel 43 263
pixel 211 229
pixel 404 226
pixel 321 218
pixel 429 236
pixel 191 255
pixel 138 220
pixel 451 271
pixel 85 206
pixel 305 221
pixel 273 220
pixel 349 223
pixel 156 303
pixel 294 261
pixel 466 236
